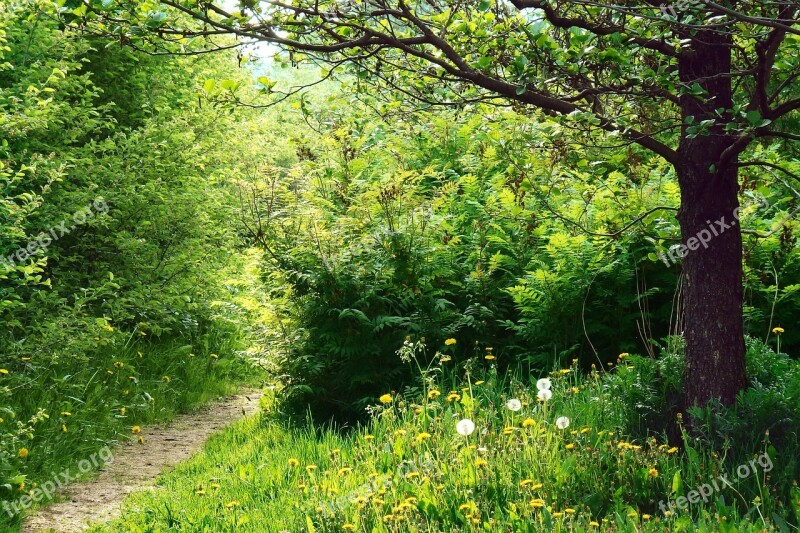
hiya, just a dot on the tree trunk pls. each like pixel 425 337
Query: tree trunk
pixel 711 236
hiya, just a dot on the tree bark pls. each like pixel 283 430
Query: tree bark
pixel 711 235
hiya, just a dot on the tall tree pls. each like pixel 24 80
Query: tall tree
pixel 696 82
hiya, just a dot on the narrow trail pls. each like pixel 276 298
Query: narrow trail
pixel 136 466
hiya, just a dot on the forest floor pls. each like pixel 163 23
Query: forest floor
pixel 136 466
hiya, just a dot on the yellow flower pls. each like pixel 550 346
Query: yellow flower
pixel 232 504
pixel 536 486
pixel 645 517
pixel 66 413
pixel 412 475
pixel 453 397
pixel 653 472
pixel 672 450
pixel 446 358
pixel 23 453
pixel 528 422
pixel 557 515
pixel 369 437
pixel 345 470
pixel 777 331
pixel 537 503
pixel 433 394
pixel 136 429
pixel 386 398
pixel 349 527
pixel 214 356
pixel 63 428
pixel 479 382
pixel 200 492
pixel 311 468
pixel 449 342
pixel 119 364
pixel 422 436
pixel 3 371
pixel 569 510
pixel 525 482
pixel 122 411
pixel 141 439
pixel 570 446
pixel 489 357
pixel 624 355
pixel 480 463
pixel 565 371
pixel 293 462
pixel 593 523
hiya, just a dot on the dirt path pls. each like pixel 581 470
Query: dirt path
pixel 136 466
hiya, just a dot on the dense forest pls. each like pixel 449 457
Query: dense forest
pixel 492 266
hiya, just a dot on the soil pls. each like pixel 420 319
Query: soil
pixel 136 466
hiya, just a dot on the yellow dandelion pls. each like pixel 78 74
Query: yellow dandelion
pixel 122 411
pixel 345 470
pixel 481 463
pixel 422 436
pixel 525 482
pixel 449 342
pixel 433 394
pixel 293 462
pixel 66 413
pixel 23 453
pixel 311 468
pixel 119 364
pixel 537 503
pixel 349 527
pixel 570 446
pixel 645 517
pixel 537 486
pixel 777 331
pixel 489 357
pixel 672 450
pixel 569 510
pixel 594 524
pixel 369 437
pixel 653 472
pixel 453 397
pixel 136 429
pixel 386 398
pixel 557 515
pixel 3 371
pixel 232 504
pixel 63 428
pixel 528 422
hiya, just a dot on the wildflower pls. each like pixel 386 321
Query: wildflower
pixel 570 446
pixel 23 453
pixel 433 394
pixel 386 399
pixel 422 436
pixel 334 452
pixel 536 486
pixel 200 492
pixel 166 379
pixel 508 430
pixel 645 517
pixel 444 359
pixel 672 450
pixel 412 475
pixel 3 371
pixel 480 382
pixel 623 355
pixel 632 514
pixel 480 463
pixel 293 462
pixel 489 357
pixel 562 422
pixel 777 331
pixel 564 371
pixel 528 422
pixel 136 429
pixel 141 439
pixel 593 523
pixel 449 342
pixel 465 427
pixel 544 394
pixel 537 503
pixel 569 510
pixel 232 504
pixel 464 507
pixel 514 405
pixel 122 411
pixel 345 470
pixel 369 437
pixel 453 397
pixel 66 413
pixel 525 482
pixel 557 515
pixel 653 472
pixel 119 364
pixel 349 527
pixel 214 356
pixel 310 468
pixel 63 428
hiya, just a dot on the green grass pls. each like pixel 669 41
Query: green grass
pixel 66 411
pixel 410 470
